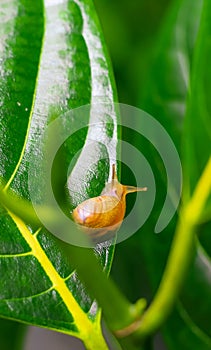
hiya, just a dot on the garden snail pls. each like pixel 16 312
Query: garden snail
pixel 105 212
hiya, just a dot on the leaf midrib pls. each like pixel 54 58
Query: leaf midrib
pixel 83 323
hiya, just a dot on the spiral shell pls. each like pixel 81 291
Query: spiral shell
pixel 106 211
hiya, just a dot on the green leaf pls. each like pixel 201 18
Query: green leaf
pixel 197 150
pixel 167 85
pixel 165 97
pixel 199 278
pixel 20 52
pixel 180 330
pixel 197 139
pixel 54 59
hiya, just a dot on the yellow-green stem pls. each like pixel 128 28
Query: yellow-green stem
pixel 118 313
pixel 179 259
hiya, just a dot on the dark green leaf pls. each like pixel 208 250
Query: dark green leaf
pixel 197 137
pixel 166 89
pixel 198 301
pixel 21 32
pixel 54 59
pixel 181 331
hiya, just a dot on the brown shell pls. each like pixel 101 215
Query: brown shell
pixel 100 211
pixel 106 210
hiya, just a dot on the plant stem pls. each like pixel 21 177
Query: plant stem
pixel 117 310
pixel 178 262
pixel 173 277
pixel 18 206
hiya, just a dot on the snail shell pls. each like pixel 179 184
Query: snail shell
pixel 105 212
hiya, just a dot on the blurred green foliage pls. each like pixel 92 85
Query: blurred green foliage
pixel 152 45
pixel 130 29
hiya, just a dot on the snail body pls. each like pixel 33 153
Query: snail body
pixel 105 212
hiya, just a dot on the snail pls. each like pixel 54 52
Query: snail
pixel 105 212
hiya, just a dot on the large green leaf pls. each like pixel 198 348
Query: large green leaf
pixel 53 59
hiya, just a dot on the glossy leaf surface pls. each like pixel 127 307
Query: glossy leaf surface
pixel 54 59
